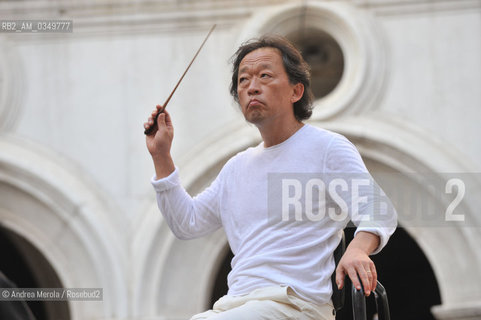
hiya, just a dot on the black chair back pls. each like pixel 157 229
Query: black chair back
pixel 358 297
pixel 359 303
pixel 338 296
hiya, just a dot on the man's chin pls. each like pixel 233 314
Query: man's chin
pixel 254 117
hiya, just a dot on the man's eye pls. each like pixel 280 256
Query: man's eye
pixel 265 75
pixel 242 79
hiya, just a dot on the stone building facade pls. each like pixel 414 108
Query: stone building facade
pixel 76 206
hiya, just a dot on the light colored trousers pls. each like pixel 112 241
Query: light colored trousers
pixel 270 303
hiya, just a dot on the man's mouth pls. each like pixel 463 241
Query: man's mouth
pixel 253 103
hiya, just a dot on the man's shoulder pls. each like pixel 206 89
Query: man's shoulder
pixel 244 154
pixel 240 157
pixel 323 135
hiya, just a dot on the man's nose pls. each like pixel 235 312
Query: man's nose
pixel 254 87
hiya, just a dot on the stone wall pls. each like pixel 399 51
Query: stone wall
pixel 74 170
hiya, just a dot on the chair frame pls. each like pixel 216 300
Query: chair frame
pixel 358 296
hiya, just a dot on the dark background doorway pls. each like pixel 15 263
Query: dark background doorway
pixel 25 265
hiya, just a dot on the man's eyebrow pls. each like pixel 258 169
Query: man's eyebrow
pixel 243 69
pixel 262 66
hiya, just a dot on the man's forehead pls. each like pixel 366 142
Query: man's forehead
pixel 265 56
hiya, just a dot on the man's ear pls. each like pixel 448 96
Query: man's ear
pixel 297 92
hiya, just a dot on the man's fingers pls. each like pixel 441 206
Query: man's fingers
pixel 374 278
pixel 168 120
pixel 340 277
pixel 155 112
pixel 354 278
pixel 161 120
pixel 366 278
pixel 152 118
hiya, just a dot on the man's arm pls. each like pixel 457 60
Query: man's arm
pixel 356 261
pixel 187 217
pixel 372 233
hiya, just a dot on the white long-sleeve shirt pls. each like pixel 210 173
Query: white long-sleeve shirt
pixel 271 244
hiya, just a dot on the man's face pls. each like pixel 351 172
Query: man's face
pixel 263 87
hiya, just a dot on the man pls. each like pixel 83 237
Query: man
pixel 281 268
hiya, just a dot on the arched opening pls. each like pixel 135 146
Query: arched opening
pixel 325 57
pixel 59 223
pixel 28 268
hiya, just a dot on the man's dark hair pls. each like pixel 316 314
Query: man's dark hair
pixel 298 71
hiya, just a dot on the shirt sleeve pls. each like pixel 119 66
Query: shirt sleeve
pixel 188 217
pixel 368 206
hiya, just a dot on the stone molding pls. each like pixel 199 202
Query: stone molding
pixel 124 17
pixel 409 7
pixel 359 37
pixel 65 217
pixel 11 86
pixel 462 311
